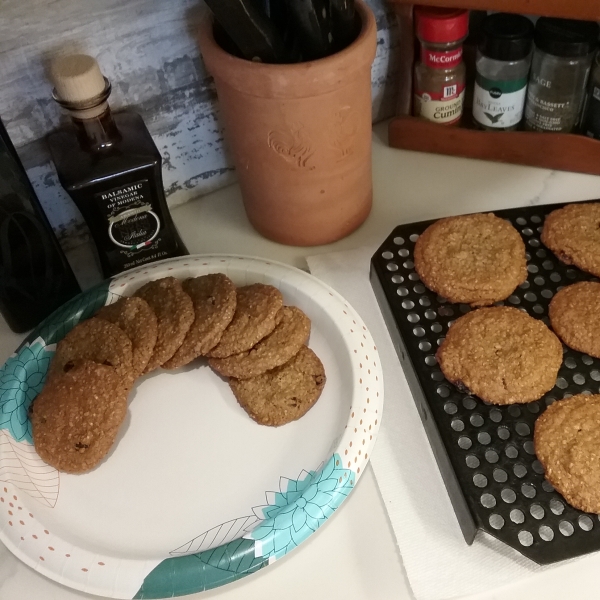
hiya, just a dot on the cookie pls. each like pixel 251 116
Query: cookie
pixel 284 394
pixel 138 321
pixel 501 354
pixel 575 316
pixel 255 317
pixel 96 340
pixel 573 234
pixel 475 259
pixel 567 438
pixel 76 417
pixel 277 348
pixel 214 298
pixel 174 313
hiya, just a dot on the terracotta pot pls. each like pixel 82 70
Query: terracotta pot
pixel 300 136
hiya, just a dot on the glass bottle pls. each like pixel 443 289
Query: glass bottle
pixel 561 63
pixel 112 169
pixel 440 73
pixel 502 64
pixel 591 120
pixel 35 277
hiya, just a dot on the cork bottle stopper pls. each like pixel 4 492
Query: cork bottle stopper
pixel 77 78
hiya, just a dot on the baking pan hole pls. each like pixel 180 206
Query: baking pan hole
pixel 556 506
pixel 508 496
pixel 548 265
pixel 535 219
pixel 409 264
pixel 392 266
pixel 496 521
pixel 537 512
pixel 414 237
pixel 441 300
pixel 517 516
pixel 414 277
pixel 555 277
pixel 424 346
pixel 522 428
pixel 530 297
pixel 588 360
pixel 450 408
pixel 528 447
pixel 440 340
pixel 533 407
pixel 566 528
pixel 487 501
pixel 413 317
pixel 579 379
pixel 540 229
pixel 419 288
pixel 528 490
pixel 534 242
pixel 403 252
pixel 546 533
pixel 547 486
pixel 527 231
pixel 511 451
pixel 402 291
pixel 484 438
pixel 408 305
pixel 561 383
pixel 436 328
pixel 525 285
pixel 446 311
pixel 514 299
pixel 503 433
pixel 397 279
pixel 491 456
pixel 521 221
pixel 550 400
pixel 536 465
pixel 472 461
pixel 464 442
pixel 547 294
pixel 430 360
pixel 571 273
pixel 430 314
pixel 480 480
pixel 538 309
pixel 457 425
pixel 419 331
pixel 570 362
pixel 398 241
pixel 495 415
pixel 476 420
pixel 443 391
pixel 585 523
pixel 525 538
pixel 541 253
pixel 520 470
pixel 469 403
pixel 500 475
pixel 514 411
pixel 532 269
pixel 387 255
pixel 424 301
pixel 595 375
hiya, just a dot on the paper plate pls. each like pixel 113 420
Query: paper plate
pixel 194 494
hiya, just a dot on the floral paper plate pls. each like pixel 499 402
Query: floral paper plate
pixel 194 494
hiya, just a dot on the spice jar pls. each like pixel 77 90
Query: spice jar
pixel 440 74
pixel 591 121
pixel 503 60
pixel 561 62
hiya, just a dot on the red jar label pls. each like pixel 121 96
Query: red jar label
pixel 445 107
pixel 441 60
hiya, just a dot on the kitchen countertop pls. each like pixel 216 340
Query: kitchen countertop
pixel 408 186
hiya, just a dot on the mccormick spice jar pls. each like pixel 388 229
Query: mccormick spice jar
pixel 440 74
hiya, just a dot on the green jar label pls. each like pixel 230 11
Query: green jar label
pixel 499 104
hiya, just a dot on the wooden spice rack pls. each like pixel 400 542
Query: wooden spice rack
pixel 561 151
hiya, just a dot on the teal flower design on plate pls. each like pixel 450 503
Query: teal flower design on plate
pixel 301 507
pixel 21 380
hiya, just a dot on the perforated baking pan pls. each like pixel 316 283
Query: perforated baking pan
pixel 485 453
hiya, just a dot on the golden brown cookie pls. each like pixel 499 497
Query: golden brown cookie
pixel 76 417
pixel 476 259
pixel 96 340
pixel 575 316
pixel 501 354
pixel 255 317
pixel 138 321
pixel 567 443
pixel 277 348
pixel 573 234
pixel 214 298
pixel 284 394
pixel 175 314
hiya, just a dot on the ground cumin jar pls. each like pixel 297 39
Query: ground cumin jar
pixel 440 73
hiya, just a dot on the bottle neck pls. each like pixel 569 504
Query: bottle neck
pixel 96 131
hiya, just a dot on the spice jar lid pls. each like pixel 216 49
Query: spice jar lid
pixel 506 37
pixel 566 37
pixel 441 25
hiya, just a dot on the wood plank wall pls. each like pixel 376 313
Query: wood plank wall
pixel 148 51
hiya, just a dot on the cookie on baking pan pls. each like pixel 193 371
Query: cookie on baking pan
pixel 566 439
pixel 277 348
pixel 174 311
pixel 476 259
pixel 96 340
pixel 284 394
pixel 573 234
pixel 138 321
pixel 76 417
pixel 255 317
pixel 214 299
pixel 575 316
pixel 501 354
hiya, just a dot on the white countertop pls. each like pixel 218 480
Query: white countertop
pixel 408 187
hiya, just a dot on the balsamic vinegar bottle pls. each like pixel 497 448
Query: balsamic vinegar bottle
pixel 112 170
pixel 35 277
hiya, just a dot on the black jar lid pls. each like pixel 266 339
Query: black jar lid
pixel 506 37
pixel 566 37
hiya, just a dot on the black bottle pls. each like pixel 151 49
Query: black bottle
pixel 35 277
pixel 112 169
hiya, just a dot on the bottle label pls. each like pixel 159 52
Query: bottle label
pixel 444 107
pixel 441 60
pixel 543 114
pixel 592 118
pixel 499 104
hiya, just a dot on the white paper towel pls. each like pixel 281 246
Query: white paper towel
pixel 439 563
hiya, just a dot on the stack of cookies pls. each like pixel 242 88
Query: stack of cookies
pixel 246 333
pixel 505 356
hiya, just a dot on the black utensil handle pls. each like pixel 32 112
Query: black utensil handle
pixel 344 24
pixel 313 25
